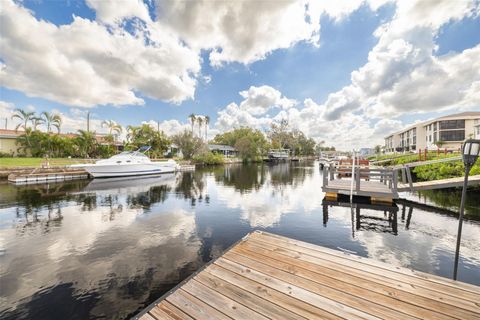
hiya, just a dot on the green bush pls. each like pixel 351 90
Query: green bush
pixel 5 155
pixel 209 158
pixel 444 170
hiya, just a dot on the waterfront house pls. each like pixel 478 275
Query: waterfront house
pixel 8 141
pixel 227 151
pixel 452 130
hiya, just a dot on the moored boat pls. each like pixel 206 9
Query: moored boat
pixel 129 163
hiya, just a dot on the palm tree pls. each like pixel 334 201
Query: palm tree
pixel 51 120
pixel 86 142
pixel 36 121
pixel 200 122
pixel 112 126
pixel 192 120
pixel 132 132
pixel 24 116
pixel 207 121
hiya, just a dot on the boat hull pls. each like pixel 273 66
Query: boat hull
pixel 109 171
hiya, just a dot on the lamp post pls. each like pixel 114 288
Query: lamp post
pixel 470 152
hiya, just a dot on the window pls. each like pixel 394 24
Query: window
pixel 452 124
pixel 452 135
pixel 435 126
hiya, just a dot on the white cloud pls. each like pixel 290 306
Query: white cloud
pixel 253 108
pixel 241 31
pixel 259 100
pixel 86 64
pixel 232 116
pixel 6 112
pixel 113 12
pixel 403 75
pixel 169 127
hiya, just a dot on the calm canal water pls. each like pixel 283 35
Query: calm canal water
pixel 104 249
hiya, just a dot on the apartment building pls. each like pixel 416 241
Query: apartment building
pixel 476 128
pixel 451 130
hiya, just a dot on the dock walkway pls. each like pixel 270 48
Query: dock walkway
pixel 266 276
pixel 439 184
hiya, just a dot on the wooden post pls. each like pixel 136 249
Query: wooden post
pixel 357 179
pixel 325 176
pixel 425 158
pixel 419 154
pixel 404 175
pixel 395 180
pixel 409 177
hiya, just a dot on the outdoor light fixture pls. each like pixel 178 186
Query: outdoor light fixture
pixel 470 153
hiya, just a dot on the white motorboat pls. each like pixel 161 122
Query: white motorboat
pixel 129 163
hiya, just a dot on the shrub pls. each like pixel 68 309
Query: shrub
pixel 209 158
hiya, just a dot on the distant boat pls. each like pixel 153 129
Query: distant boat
pixel 278 155
pixel 129 163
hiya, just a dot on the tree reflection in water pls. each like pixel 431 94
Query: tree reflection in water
pixel 190 185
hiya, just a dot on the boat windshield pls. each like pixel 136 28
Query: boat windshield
pixel 131 153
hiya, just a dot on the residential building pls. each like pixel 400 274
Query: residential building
pixel 8 139
pixel 227 151
pixel 451 130
pixel 476 129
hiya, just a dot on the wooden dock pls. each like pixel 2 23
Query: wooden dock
pixel 47 175
pixel 438 184
pixel 266 276
pixel 379 184
pixel 367 189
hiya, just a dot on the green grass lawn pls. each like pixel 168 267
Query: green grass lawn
pixel 35 162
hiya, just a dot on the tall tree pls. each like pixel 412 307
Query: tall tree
pixel 192 120
pixel 51 120
pixel 250 143
pixel 280 134
pixel 145 135
pixel 200 122
pixel 188 144
pixel 207 121
pixel 24 117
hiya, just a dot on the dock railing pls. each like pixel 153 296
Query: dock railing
pixel 386 176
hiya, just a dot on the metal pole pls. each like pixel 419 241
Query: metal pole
pixel 88 121
pixel 460 221
pixel 353 176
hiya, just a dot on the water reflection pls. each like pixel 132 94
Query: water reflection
pixel 366 216
pixel 107 248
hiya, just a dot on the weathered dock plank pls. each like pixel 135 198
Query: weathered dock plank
pixel 439 184
pixel 266 276
pixel 367 188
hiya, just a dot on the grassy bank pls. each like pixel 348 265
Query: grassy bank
pixel 432 171
pixel 7 163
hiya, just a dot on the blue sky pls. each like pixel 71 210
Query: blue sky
pixel 361 67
